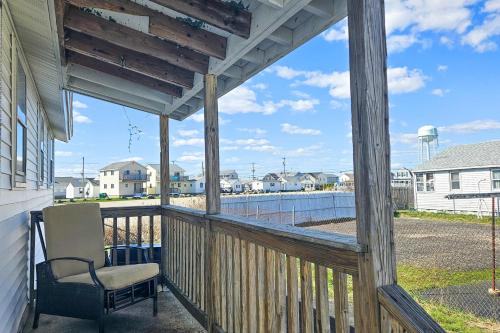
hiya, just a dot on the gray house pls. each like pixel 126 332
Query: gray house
pixel 471 168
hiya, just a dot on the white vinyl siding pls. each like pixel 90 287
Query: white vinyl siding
pixel 471 181
pixel 17 202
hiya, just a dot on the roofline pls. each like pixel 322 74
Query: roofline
pixel 459 168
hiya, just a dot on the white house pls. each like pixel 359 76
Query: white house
pixel 228 174
pixel 401 178
pixel 291 183
pixel 61 187
pixel 231 186
pixel 188 186
pixel 347 179
pixel 122 179
pixel 322 179
pixel 92 188
pixel 32 115
pixel 467 169
pixel 153 179
pixel 265 186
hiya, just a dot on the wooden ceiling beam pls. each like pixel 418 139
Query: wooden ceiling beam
pixel 82 60
pixel 128 59
pixel 214 12
pixel 60 8
pixel 117 34
pixel 164 26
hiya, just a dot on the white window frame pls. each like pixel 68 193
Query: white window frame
pixel 425 182
pixel 421 182
pixel 19 176
pixel 454 181
pixel 493 180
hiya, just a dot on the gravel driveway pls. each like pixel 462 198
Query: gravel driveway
pixel 448 245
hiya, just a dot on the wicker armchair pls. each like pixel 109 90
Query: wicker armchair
pixel 76 279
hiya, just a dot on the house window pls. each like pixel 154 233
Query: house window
pixel 42 152
pixel 420 182
pixel 495 176
pixel 201 185
pixel 112 173
pixel 455 180
pixel 21 122
pixel 105 173
pixel 127 172
pixel 51 162
pixel 105 186
pixel 126 185
pixel 112 185
pixel 272 184
pixel 429 182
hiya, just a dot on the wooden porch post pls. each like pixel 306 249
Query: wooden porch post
pixel 370 137
pixel 164 188
pixel 212 181
pixel 212 187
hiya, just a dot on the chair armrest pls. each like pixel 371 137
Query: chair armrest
pixel 90 263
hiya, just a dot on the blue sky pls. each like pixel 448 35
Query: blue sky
pixel 444 70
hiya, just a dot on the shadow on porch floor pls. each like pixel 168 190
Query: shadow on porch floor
pixel 172 317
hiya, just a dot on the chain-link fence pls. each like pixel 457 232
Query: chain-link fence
pixel 292 208
pixel 446 262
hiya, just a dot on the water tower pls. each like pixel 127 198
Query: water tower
pixel 427 142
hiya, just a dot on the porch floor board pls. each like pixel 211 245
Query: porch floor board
pixel 172 317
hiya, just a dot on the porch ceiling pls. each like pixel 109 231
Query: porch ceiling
pixel 152 54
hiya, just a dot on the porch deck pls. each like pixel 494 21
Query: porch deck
pixel 172 317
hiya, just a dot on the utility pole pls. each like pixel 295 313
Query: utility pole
pixel 253 171
pixel 83 176
pixel 284 166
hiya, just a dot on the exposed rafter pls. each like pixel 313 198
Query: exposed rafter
pixel 164 26
pixel 77 20
pixel 214 12
pixel 131 60
pixel 123 73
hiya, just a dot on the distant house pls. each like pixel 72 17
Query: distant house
pixel 188 186
pixel 228 174
pixel 265 186
pixel 401 178
pixel 122 179
pixel 153 180
pixel 68 188
pixel 231 186
pixel 291 183
pixel 471 168
pixel 347 179
pixel 92 188
pixel 322 179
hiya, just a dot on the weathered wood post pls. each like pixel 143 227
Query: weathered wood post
pixel 212 185
pixel 370 137
pixel 164 189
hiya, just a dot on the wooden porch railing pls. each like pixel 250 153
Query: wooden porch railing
pixel 261 278
pixel 238 275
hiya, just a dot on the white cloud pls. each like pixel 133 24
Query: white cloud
pixel 405 138
pixel 260 86
pixel 400 80
pixel 447 41
pixel 244 100
pixel 299 105
pixel 188 133
pixel 80 118
pixel 258 132
pixel 188 142
pixel 440 92
pixel 471 127
pixel 192 157
pixel 492 6
pixel 293 129
pixel 480 36
pixel 409 18
pixel 61 153
pixel 79 105
pixel 133 158
pixel 339 32
pixel 262 149
pixel 286 72
pixel 305 151
pixel 233 159
pixel 198 117
pixel 442 68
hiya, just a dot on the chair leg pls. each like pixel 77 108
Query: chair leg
pixel 36 318
pixel 155 299
pixel 101 324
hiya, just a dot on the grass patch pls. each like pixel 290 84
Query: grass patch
pixel 414 278
pixel 442 216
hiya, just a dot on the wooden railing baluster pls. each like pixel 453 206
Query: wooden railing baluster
pixel 292 284
pixel 341 302
pixel 115 241
pixel 139 239
pixel 127 240
pixel 322 304
pixel 306 297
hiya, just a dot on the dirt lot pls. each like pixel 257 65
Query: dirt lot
pixel 448 245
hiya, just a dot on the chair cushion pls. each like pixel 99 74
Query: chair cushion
pixel 117 277
pixel 74 230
